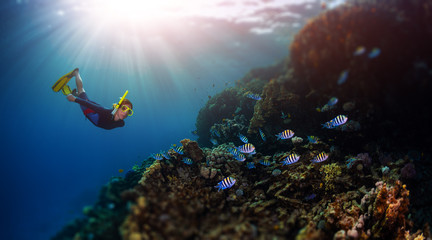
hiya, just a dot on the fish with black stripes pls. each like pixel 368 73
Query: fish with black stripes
pixel 243 138
pixel 292 158
pixel 320 157
pixel 286 134
pixel 335 122
pixel 262 134
pixel 247 148
pixel 227 182
pixel 178 149
pixel 265 162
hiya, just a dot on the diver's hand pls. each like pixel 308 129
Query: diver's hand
pixel 71 97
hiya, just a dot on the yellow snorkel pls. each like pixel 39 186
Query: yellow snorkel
pixel 117 105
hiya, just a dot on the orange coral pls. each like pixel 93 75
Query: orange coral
pixel 390 207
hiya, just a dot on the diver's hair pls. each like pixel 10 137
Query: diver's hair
pixel 126 101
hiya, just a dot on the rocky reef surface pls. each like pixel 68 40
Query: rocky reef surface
pixel 373 183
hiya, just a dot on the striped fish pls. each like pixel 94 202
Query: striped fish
pixel 285 134
pixel 158 156
pixel 240 157
pixel 337 121
pixel 250 165
pixel 265 162
pixel 233 151
pixel 262 134
pixel 247 148
pixel 225 183
pixel 236 154
pixel 253 96
pixel 292 158
pixel 166 155
pixel 243 138
pixel 178 149
pixel 340 120
pixel 320 157
pixel 188 161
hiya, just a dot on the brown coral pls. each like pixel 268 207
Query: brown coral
pixel 275 98
pixel 192 148
pixel 390 208
pixel 208 172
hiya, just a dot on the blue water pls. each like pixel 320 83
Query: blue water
pixel 53 160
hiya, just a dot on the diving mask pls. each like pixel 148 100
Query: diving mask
pixel 125 108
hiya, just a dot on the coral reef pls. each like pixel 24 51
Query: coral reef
pixel 330 173
pixel 221 106
pixel 174 200
pixel 325 47
pixel 357 193
pixel 276 99
pixel 192 149
pixel 389 210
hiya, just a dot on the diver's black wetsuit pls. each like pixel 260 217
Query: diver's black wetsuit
pixel 98 115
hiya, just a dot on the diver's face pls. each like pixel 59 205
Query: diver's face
pixel 122 113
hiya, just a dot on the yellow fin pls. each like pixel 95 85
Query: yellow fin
pixel 62 82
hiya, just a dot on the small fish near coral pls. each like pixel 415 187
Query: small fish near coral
pixel 188 161
pixel 240 157
pixel 227 182
pixel 337 121
pixel 320 158
pixel 243 138
pixel 247 148
pixel 262 134
pixel 236 154
pixel 292 158
pixel 250 165
pixel 178 149
pixel 285 134
pixel 265 162
pixel 166 155
pixel 158 156
pixel 233 151
pixel 313 139
pixel 253 96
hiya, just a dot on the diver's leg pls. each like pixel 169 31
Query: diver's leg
pixel 78 81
